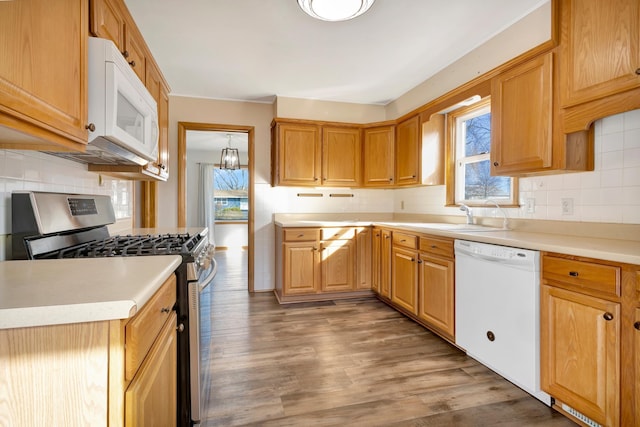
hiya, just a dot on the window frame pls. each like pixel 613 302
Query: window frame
pixel 453 184
pixel 225 202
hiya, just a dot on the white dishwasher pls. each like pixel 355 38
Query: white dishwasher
pixel 498 311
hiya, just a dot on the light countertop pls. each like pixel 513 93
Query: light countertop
pixel 625 251
pixel 59 291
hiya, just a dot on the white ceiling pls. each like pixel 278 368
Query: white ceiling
pixel 215 141
pixel 258 49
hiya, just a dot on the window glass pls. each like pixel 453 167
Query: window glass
pixel 230 194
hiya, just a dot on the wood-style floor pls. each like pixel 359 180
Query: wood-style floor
pixel 343 363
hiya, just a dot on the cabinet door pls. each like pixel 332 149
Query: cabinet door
pixel 404 284
pixel 433 161
pixel 341 152
pixel 636 352
pixel 580 352
pixel 599 48
pixel 436 293
pixel 385 264
pixel 43 68
pixel 301 268
pixel 157 89
pixel 379 154
pixel 408 152
pixel 338 265
pixel 298 154
pixel 107 21
pixel 364 258
pixel 135 51
pixel 521 118
pixel 151 399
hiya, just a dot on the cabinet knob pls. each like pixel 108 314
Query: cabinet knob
pixel 386 237
pixel 161 166
pixel 390 179
pixel 433 246
pixel 132 63
pixel 125 53
pixel 91 127
pixel 315 178
pixel 638 71
pixel 413 176
pixel 165 310
pixel 180 327
pixel 608 316
pixel 419 261
pixel 637 325
pixel 496 164
pixel 314 248
pixel 573 274
pixel 491 336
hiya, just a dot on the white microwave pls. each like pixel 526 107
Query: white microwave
pixel 123 113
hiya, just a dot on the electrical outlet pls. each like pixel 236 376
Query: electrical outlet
pixel 530 205
pixel 567 206
pixel 402 204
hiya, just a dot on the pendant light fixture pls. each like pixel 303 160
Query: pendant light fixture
pixel 229 158
pixel 335 10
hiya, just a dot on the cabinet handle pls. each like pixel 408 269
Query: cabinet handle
pixel 165 310
pixel 91 127
pixel 637 325
pixel 180 327
pixel 132 63
pixel 608 316
pixel 125 53
pixel 573 273
pixel 496 164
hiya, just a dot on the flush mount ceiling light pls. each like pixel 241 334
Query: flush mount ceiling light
pixel 335 10
pixel 229 158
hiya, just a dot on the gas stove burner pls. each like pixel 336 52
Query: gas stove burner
pixel 130 245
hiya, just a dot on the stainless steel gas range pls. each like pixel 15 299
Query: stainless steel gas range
pixel 58 225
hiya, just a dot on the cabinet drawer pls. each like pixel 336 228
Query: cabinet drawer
pixel 338 233
pixel 585 275
pixel 142 329
pixel 405 240
pixel 437 246
pixel 301 234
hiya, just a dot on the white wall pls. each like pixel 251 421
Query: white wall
pixel 610 193
pixel 330 111
pixel 35 171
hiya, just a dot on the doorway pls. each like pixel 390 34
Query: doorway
pixel 207 141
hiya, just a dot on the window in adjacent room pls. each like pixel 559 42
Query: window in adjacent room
pixel 469 180
pixel 231 194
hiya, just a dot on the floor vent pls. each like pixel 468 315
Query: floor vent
pixel 588 421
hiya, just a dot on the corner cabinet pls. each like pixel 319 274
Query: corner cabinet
pixel 43 74
pixel 378 156
pixel 525 134
pixel 322 263
pixel 599 60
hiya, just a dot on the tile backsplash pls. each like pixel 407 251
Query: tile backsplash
pixel 610 193
pixel 32 170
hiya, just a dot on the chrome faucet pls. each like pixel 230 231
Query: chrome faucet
pixel 467 209
pixel 505 221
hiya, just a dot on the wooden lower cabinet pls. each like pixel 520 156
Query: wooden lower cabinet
pixel 320 263
pixel 404 282
pixel 155 380
pixel 94 373
pixel 581 355
pixel 436 293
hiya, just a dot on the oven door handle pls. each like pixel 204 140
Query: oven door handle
pixel 203 284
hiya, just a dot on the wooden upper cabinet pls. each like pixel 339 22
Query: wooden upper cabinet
pixel 298 154
pixel 135 51
pixel 378 156
pixel 341 152
pixel 526 134
pixel 599 49
pixel 43 74
pixel 408 152
pixel 521 117
pixel 433 142
pixel 160 93
pixel 108 21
